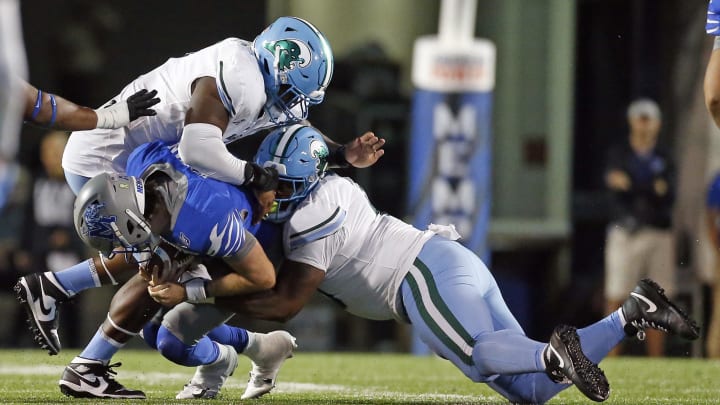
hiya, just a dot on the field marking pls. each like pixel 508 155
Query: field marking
pixel 283 387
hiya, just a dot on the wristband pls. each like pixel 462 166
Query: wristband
pixel 196 290
pixel 339 157
pixel 113 117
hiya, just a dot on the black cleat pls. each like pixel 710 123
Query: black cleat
pixel 93 379
pixel 567 364
pixel 39 293
pixel 648 306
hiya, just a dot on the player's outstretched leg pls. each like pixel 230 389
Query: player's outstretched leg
pixel 268 352
pixel 84 378
pixel 40 293
pixel 209 378
pixel 566 363
pixel 647 306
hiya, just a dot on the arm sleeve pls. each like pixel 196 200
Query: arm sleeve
pixel 201 146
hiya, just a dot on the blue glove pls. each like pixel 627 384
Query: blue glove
pixel 712 25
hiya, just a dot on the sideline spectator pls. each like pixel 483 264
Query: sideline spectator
pixel 639 240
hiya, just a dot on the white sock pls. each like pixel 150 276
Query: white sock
pixel 252 348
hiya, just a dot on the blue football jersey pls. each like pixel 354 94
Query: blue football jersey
pixel 207 216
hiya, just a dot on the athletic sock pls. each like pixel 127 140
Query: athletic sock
pixel 101 347
pixel 599 338
pixel 79 277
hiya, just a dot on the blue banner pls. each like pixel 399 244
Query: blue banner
pixel 450 163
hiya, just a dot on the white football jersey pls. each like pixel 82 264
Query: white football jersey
pixel 364 253
pixel 240 85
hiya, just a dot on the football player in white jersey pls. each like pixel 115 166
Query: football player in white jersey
pixel 216 95
pixel 378 267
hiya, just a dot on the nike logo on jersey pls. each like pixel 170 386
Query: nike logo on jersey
pixel 651 305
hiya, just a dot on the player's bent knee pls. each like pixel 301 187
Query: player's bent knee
pixel 171 347
pixel 150 334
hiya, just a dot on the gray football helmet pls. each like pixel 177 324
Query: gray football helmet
pixel 109 215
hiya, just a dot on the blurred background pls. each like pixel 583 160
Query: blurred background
pixel 566 70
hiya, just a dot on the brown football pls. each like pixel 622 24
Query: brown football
pixel 170 262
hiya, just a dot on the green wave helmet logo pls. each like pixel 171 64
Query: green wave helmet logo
pixel 289 53
pixel 319 152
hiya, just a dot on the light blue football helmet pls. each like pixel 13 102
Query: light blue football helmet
pixel 297 64
pixel 300 155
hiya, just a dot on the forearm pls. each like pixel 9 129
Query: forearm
pixel 336 157
pixel 46 109
pixel 201 147
pixel 269 305
pixel 73 117
pixel 233 284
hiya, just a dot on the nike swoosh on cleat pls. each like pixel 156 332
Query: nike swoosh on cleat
pixel 98 387
pixel 651 305
pixel 562 363
pixel 43 309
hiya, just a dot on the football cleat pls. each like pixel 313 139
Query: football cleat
pixel 209 378
pixel 93 379
pixel 40 293
pixel 273 349
pixel 567 364
pixel 647 306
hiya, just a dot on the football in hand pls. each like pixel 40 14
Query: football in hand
pixel 167 263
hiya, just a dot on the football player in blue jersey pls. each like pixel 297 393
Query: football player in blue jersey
pixel 211 97
pixel 124 215
pixel 379 267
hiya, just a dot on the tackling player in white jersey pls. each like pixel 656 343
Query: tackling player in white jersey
pixel 379 267
pixel 217 95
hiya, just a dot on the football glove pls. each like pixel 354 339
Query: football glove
pixel 139 104
pixel 117 115
pixel 260 178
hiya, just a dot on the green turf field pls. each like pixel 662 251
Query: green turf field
pixel 30 376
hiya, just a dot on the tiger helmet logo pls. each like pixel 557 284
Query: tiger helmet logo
pixel 289 53
pixel 319 152
pixel 97 224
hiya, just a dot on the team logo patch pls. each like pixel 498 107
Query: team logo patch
pixel 289 53
pixel 98 225
pixel 320 153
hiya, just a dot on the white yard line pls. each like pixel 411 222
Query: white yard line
pixel 285 387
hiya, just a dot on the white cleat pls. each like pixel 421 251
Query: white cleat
pixel 209 378
pixel 272 350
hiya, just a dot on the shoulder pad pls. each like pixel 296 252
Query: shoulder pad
pixel 313 221
pixel 237 74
